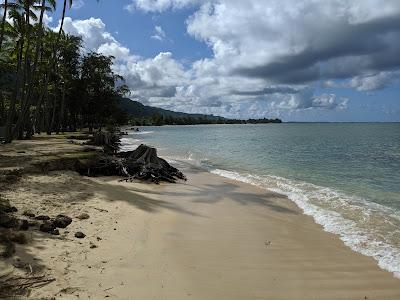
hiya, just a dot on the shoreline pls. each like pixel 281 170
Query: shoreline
pixel 347 224
pixel 208 238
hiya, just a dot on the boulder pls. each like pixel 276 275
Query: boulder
pixel 62 221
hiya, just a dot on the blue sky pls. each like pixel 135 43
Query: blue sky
pixel 309 61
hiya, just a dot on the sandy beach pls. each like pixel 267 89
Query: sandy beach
pixel 207 238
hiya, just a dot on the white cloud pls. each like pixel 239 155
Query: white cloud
pixel 77 4
pixel 373 82
pixel 267 55
pixel 159 5
pixel 159 34
pixel 96 38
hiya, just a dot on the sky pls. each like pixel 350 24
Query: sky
pixel 304 60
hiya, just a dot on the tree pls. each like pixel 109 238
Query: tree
pixel 46 83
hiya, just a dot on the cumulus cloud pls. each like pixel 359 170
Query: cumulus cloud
pixel 96 38
pixel 285 42
pixel 267 55
pixel 373 82
pixel 159 34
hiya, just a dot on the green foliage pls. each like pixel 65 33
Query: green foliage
pixel 46 82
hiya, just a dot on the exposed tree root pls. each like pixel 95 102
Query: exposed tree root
pixel 140 164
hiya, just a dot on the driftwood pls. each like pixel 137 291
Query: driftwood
pixel 18 286
pixel 140 164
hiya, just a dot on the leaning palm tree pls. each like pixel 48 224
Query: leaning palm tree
pixel 63 15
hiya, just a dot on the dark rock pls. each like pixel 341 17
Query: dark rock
pixel 47 227
pixel 62 221
pixel 80 235
pixel 29 213
pixel 7 221
pixel 55 232
pixel 24 225
pixel 93 246
pixel 42 218
pixel 83 216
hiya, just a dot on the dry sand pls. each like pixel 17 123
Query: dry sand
pixel 208 238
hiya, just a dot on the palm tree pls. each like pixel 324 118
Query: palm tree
pixel 18 31
pixel 28 7
pixel 32 78
pixel 4 6
pixel 63 15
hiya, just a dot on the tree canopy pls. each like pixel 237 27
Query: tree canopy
pixel 48 82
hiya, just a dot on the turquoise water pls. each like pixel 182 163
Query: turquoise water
pixel 347 175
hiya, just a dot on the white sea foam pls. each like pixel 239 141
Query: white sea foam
pixel 142 132
pixel 330 209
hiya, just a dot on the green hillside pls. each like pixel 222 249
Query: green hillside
pixel 138 110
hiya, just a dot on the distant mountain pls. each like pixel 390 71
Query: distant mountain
pixel 136 109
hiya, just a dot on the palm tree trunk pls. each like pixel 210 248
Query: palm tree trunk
pixel 3 23
pixel 60 125
pixel 31 76
pixel 11 110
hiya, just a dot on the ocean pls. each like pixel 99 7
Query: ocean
pixel 345 175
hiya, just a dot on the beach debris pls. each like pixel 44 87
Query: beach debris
pixel 62 221
pixel 11 286
pixel 83 216
pixel 92 245
pixel 55 232
pixel 140 164
pixel 80 235
pixel 42 218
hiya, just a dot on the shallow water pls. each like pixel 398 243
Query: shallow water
pixel 347 175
